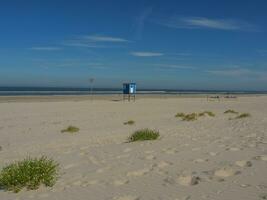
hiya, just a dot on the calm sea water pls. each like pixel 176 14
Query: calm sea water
pixel 21 91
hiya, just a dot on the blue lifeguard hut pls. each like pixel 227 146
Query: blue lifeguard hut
pixel 129 90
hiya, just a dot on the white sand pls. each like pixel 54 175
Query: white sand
pixel 211 158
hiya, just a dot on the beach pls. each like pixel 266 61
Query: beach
pixel 217 157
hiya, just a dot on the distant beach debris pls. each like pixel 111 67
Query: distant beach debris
pixel 219 97
pixel 70 129
pixel 144 134
pixel 230 97
pixel 130 122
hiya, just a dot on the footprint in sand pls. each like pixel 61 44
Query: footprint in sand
pixel 93 160
pixel 188 180
pixel 120 182
pixel 213 153
pixel 149 151
pixel 127 150
pixel 169 181
pixel 233 149
pixel 162 164
pixel 83 153
pixel 200 160
pixel 140 172
pixel 127 197
pixel 225 172
pixel 93 182
pixel 150 157
pixel 262 157
pixel 196 149
pixel 243 163
pixel 101 170
pixel 170 151
pixel 69 166
pixel 123 156
pixel 84 148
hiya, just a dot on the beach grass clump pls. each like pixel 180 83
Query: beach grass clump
pixel 194 116
pixel 130 122
pixel 144 134
pixel 190 117
pixel 243 115
pixel 209 113
pixel 70 129
pixel 230 111
pixel 29 173
pixel 180 115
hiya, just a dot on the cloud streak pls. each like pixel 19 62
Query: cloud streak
pixel 46 48
pixel 240 73
pixel 140 21
pixel 207 23
pixel 173 66
pixel 97 38
pixel 95 41
pixel 146 54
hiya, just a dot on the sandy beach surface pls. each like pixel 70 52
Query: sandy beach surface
pixel 211 158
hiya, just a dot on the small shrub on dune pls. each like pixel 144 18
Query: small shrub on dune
pixel 190 117
pixel 230 111
pixel 70 129
pixel 209 113
pixel 130 122
pixel 29 173
pixel 144 134
pixel 243 115
pixel 180 115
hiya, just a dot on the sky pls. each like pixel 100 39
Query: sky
pixel 159 44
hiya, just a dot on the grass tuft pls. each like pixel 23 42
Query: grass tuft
pixel 243 115
pixel 70 129
pixel 130 122
pixel 230 111
pixel 29 173
pixel 209 113
pixel 190 117
pixel 180 115
pixel 144 134
pixel 194 116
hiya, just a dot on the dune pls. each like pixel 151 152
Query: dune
pixel 210 158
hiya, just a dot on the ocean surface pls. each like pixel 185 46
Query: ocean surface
pixel 24 91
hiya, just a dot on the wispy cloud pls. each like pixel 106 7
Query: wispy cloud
pixel 240 73
pixel 97 38
pixel 46 48
pixel 146 54
pixel 173 66
pixel 139 23
pixel 82 43
pixel 96 41
pixel 208 23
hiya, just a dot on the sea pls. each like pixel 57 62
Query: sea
pixel 49 91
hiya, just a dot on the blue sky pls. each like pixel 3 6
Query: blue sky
pixel 186 44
